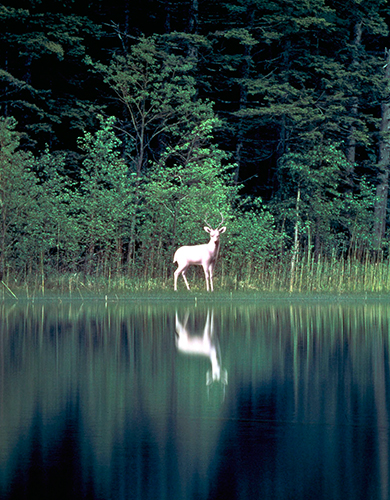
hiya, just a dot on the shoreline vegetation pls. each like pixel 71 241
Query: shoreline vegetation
pixel 307 277
pixel 119 141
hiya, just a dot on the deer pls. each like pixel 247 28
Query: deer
pixel 203 343
pixel 199 255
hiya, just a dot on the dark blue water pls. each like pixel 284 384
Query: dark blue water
pixel 219 401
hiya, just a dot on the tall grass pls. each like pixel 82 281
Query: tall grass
pixel 349 274
pixel 325 274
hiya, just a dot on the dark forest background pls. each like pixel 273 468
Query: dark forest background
pixel 126 124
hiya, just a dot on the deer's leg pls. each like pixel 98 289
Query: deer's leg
pixel 206 275
pixel 175 279
pixel 211 278
pixel 181 270
pixel 183 273
pixel 208 272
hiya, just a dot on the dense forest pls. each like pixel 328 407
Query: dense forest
pixel 126 124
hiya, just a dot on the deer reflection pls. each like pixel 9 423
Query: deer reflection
pixel 202 343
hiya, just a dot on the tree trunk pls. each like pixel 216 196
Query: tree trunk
pixel 167 12
pixel 2 250
pixel 245 68
pixel 351 141
pixel 139 164
pixel 193 22
pixel 283 132
pixel 295 251
pixel 382 190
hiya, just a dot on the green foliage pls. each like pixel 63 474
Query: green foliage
pixel 275 99
pixel 192 179
pixel 357 217
pixel 104 200
pixel 35 230
pixel 18 191
pixel 42 49
pixel 190 183
pixel 252 240
pixel 157 93
pixel 47 239
pixel 329 212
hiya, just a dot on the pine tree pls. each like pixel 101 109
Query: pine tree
pixel 42 72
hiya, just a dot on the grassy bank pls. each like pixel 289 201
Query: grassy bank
pixel 340 276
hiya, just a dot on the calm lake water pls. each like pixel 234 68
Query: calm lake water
pixel 215 400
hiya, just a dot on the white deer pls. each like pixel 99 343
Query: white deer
pixel 203 343
pixel 199 255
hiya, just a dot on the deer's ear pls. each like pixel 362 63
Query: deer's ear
pixel 222 230
pixel 207 229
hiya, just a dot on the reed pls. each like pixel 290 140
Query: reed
pixel 353 273
pixel 326 274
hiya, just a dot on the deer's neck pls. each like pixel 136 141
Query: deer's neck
pixel 214 246
pixel 216 249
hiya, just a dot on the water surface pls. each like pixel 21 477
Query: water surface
pixel 157 400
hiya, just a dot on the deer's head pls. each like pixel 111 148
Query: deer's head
pixel 214 233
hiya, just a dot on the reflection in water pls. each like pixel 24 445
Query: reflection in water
pixel 202 343
pixel 96 403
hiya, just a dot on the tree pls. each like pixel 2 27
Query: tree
pixel 36 230
pixel 274 87
pixel 313 201
pixel 104 201
pixel 293 72
pixel 382 190
pixel 18 192
pixel 42 75
pixel 157 94
pixel 253 240
pixel 191 182
pixel 47 244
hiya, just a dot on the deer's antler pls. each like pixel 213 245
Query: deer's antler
pixel 219 225
pixel 222 220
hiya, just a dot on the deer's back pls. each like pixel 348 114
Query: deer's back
pixel 195 254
